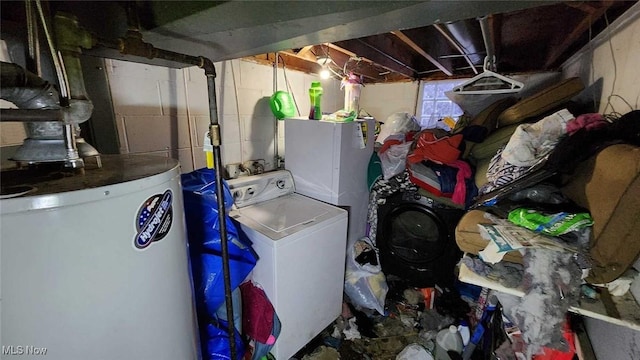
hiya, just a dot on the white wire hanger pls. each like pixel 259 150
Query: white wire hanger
pixel 488 82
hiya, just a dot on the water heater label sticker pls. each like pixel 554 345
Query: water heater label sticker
pixel 154 219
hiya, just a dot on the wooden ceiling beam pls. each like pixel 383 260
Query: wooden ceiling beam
pixel 367 69
pixel 382 74
pixel 304 50
pixel 402 36
pixel 292 62
pixel 575 34
pixel 371 71
pixel 350 53
pixel 305 56
pixel 307 63
pixel 366 48
pixel 587 7
pixel 342 50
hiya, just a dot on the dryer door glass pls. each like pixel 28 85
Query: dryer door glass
pixel 416 236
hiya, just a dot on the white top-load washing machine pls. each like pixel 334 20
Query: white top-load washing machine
pixel 301 246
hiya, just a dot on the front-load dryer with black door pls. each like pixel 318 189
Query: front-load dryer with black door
pixel 415 239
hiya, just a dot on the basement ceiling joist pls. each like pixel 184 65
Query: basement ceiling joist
pixel 420 50
pixel 391 40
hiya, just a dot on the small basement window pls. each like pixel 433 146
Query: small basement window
pixel 434 105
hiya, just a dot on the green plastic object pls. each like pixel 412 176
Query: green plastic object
pixel 552 224
pixel 315 98
pixel 282 105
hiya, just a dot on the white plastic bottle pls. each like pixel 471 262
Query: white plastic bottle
pixel 465 333
pixel 448 339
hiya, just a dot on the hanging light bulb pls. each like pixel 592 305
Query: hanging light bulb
pixel 324 61
pixel 325 74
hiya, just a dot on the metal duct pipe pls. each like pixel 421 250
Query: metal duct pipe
pixel 44 118
pixel 447 35
pixel 465 33
pixel 75 112
pixel 28 91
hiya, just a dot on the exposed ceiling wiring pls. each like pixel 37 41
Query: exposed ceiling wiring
pixel 333 71
pixel 356 58
pixel 328 64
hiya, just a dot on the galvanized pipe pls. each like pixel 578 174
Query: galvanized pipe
pixel 25 89
pixel 70 39
pixel 62 82
pixel 133 44
pixel 216 141
pixel 30 115
pixel 488 44
pixel 73 160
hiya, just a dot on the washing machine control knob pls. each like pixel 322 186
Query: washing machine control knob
pixel 280 184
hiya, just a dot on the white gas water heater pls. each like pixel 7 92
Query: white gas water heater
pixel 94 265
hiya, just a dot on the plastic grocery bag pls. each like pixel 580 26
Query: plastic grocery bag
pixel 552 224
pixel 394 160
pixel 205 247
pixel 365 283
pixel 397 123
pixel 217 345
pixel 414 352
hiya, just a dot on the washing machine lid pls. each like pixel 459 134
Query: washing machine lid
pixel 287 215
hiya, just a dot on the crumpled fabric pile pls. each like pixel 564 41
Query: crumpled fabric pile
pixel 552 285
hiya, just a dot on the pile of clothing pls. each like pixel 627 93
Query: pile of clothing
pixel 432 159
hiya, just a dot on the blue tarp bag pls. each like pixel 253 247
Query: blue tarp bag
pixel 203 229
pixel 217 345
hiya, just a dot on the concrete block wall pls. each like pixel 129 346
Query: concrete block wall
pixel 166 111
pixel 608 65
pixel 11 133
pixel 382 100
